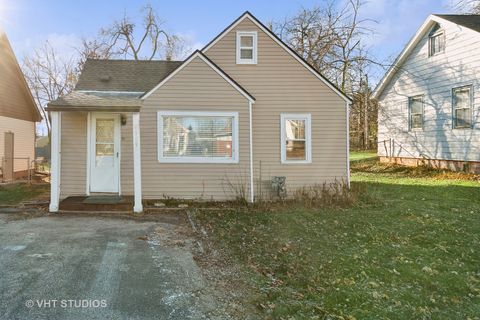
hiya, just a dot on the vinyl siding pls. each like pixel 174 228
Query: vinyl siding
pixel 281 84
pixel 197 87
pixel 23 139
pixel 15 100
pixel 74 155
pixel 434 77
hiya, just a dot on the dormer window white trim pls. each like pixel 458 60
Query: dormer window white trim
pixel 246 47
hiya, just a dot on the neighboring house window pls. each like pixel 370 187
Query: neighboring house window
pixel 415 106
pixel 296 146
pixel 197 137
pixel 246 47
pixel 436 41
pixel 462 107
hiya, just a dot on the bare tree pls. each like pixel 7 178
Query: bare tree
pixel 468 6
pixel 330 37
pixel 150 41
pixel 49 76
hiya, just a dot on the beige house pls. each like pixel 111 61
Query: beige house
pixel 220 124
pixel 18 114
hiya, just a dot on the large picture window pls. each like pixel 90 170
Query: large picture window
pixel 198 137
pixel 296 138
pixel 462 107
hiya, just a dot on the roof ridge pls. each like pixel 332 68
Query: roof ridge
pixel 132 60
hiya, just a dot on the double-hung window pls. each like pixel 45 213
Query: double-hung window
pixel 246 47
pixel 296 145
pixel 436 42
pixel 462 107
pixel 415 106
pixel 197 137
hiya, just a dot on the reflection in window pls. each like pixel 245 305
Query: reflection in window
pixel 462 107
pixel 416 112
pixel 198 136
pixel 295 139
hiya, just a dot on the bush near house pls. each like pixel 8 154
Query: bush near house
pixel 409 249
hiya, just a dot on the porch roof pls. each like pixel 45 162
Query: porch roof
pixel 89 100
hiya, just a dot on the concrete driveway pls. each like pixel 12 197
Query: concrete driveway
pixel 99 268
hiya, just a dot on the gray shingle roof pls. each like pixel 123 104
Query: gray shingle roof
pixel 124 75
pixel 471 21
pixel 88 98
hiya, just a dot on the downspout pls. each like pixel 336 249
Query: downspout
pixel 347 106
pixel 251 150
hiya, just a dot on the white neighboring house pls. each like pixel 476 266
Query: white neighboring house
pixel 430 98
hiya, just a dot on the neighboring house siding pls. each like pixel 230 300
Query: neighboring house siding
pixel 281 84
pixel 15 100
pixel 434 77
pixel 195 88
pixel 74 155
pixel 24 140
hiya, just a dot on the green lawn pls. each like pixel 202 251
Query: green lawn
pixel 410 249
pixel 15 193
pixel 362 155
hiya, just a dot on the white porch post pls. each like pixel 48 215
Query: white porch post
pixel 137 165
pixel 55 161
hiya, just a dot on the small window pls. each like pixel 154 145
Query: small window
pixel 462 107
pixel 246 47
pixel 197 137
pixel 415 106
pixel 436 41
pixel 296 138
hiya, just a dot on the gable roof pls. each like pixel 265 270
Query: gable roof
pixel 7 56
pixel 471 21
pixel 467 21
pixel 217 69
pixel 282 44
pixel 124 75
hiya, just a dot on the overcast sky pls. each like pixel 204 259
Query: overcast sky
pixel 30 22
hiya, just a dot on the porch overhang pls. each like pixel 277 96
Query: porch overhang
pixel 98 101
pixel 94 108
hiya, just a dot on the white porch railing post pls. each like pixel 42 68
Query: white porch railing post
pixel 137 164
pixel 55 161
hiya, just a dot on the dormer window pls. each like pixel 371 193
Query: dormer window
pixel 436 41
pixel 246 47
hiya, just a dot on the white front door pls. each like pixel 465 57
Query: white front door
pixel 105 153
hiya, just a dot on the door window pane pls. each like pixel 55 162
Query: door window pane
pixel 104 137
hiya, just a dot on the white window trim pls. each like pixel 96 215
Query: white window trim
pixel 438 33
pixel 235 141
pixel 454 118
pixel 410 114
pixel 239 47
pixel 308 136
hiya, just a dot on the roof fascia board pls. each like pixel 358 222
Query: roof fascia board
pixel 281 44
